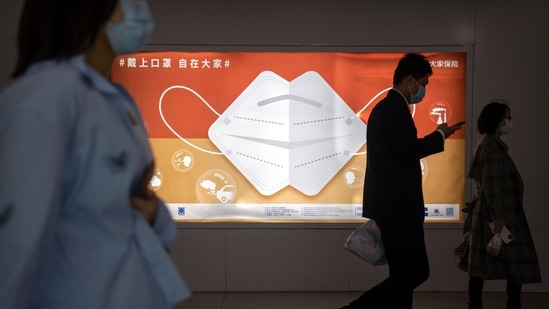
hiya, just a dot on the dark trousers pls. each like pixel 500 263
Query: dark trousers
pixel 476 286
pixel 404 244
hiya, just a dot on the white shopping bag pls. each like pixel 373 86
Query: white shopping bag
pixel 494 245
pixel 365 242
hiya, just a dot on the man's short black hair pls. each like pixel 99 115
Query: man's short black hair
pixel 413 64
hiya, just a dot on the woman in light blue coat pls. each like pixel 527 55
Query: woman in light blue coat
pixel 79 226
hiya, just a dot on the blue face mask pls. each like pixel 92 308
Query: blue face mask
pixel 419 95
pixel 129 35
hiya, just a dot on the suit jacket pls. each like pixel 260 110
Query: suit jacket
pixel 393 182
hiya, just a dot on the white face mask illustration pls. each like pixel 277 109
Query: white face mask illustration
pixel 279 133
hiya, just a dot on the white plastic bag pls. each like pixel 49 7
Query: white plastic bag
pixel 365 242
pixel 494 245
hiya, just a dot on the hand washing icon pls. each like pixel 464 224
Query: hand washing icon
pixel 279 133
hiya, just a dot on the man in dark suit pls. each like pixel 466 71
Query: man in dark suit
pixel 393 195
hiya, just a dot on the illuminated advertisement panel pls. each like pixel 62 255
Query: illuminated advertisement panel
pixel 281 136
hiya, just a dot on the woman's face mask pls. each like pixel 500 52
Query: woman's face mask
pixel 419 95
pixel 507 127
pixel 130 34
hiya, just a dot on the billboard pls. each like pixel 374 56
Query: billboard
pixel 281 136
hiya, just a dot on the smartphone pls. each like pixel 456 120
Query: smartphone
pixel 506 235
pixel 459 124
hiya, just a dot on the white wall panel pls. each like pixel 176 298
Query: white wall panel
pixel 419 22
pixel 512 21
pixel 288 22
pixel 200 255
pixel 363 276
pixel 189 22
pixel 286 260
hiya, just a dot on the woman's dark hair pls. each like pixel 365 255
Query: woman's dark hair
pixel 490 116
pixel 58 29
pixel 413 64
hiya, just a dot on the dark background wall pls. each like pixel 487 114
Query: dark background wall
pixel 509 45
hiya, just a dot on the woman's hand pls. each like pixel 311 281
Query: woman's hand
pixel 146 202
pixel 146 205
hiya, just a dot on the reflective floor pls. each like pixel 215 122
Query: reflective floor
pixel 333 300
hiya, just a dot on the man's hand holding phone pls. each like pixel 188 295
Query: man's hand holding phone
pixel 449 130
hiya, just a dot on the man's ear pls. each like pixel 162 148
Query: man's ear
pixel 410 80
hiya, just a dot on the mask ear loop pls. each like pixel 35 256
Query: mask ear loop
pixel 172 130
pixel 368 104
pixel 218 115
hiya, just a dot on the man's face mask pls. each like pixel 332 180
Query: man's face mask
pixel 279 133
pixel 130 34
pixel 419 95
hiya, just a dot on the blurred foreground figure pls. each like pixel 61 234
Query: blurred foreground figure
pixel 79 226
